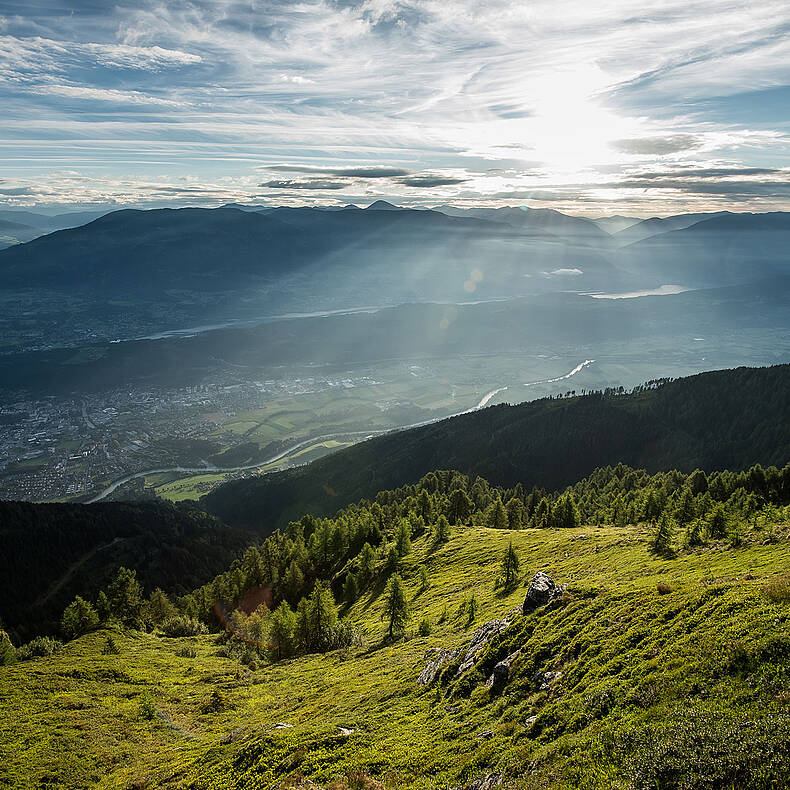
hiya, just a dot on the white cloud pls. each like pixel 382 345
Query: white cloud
pixel 451 89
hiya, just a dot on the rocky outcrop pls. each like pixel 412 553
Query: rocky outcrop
pixel 488 782
pixel 437 659
pixel 501 673
pixel 542 590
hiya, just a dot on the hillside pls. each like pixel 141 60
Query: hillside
pixel 724 419
pixel 647 671
pixel 51 552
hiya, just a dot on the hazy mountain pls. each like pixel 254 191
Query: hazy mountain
pixel 354 256
pixel 723 249
pixel 646 228
pixel 382 205
pixel 532 219
pixel 616 223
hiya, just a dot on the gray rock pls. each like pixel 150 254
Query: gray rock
pixel 501 673
pixel 346 731
pixel 488 782
pixel 485 735
pixel 281 725
pixel 542 590
pixel 528 722
pixel 543 680
pixel 437 658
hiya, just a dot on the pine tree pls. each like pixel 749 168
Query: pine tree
pixel 302 631
pixel 423 578
pixel 515 509
pixel 664 537
pixel 442 531
pixel 459 507
pixel 322 617
pixel 403 539
pixel 78 618
pixel 282 631
pixel 510 566
pixel 685 511
pixel 717 522
pixel 350 590
pixel 367 564
pixel 396 610
pixel 392 561
pixel 498 517
pixel 293 582
pixel 125 597
pixel 7 650
pixel 159 607
pixel 103 607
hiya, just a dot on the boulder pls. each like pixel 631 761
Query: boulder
pixel 542 590
pixel 501 673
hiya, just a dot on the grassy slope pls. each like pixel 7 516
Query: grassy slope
pixel 628 655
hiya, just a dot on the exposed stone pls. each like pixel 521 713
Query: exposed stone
pixel 296 783
pixel 452 708
pixel 488 782
pixel 543 680
pixel 437 658
pixel 541 591
pixel 528 722
pixel 485 735
pixel 499 676
pixel 281 725
pixel 346 731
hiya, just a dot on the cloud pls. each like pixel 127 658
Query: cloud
pixel 104 94
pixel 316 184
pixel 341 172
pixel 415 99
pixel 565 272
pixel 428 181
pixel 669 144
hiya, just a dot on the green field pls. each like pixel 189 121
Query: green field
pixel 683 668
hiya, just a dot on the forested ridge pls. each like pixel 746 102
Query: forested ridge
pixel 728 419
pixel 50 552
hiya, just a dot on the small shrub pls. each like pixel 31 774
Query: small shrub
pixel 146 708
pixel 356 780
pixel 215 703
pixel 425 628
pixel 662 588
pixel 187 652
pixel 778 590
pixel 110 648
pixel 181 625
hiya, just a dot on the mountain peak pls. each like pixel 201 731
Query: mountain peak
pixel 382 205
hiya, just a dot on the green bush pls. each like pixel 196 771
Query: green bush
pixel 778 590
pixel 181 625
pixel 40 647
pixel 146 708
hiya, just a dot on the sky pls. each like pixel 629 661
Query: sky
pixel 593 108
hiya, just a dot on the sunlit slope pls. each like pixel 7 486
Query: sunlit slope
pixel 649 679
